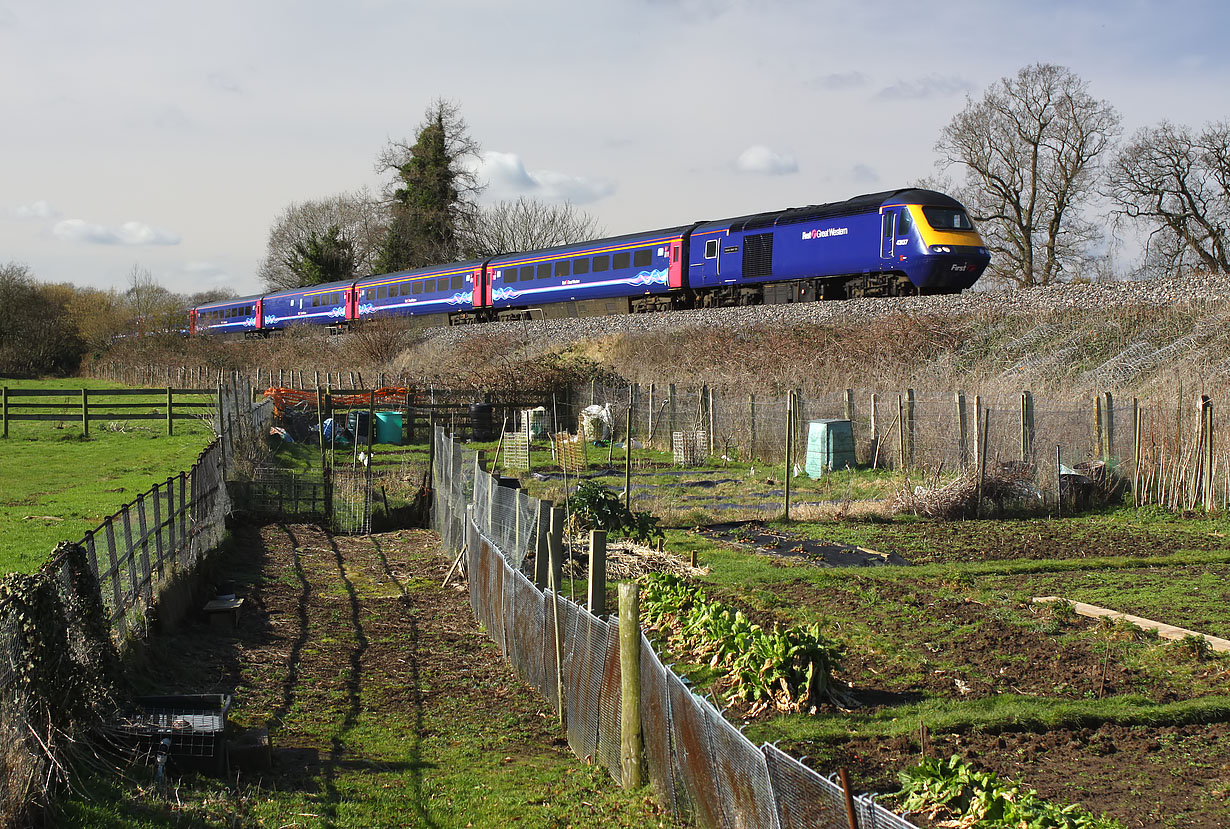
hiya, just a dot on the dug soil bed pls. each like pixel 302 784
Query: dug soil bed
pixel 974 652
pixel 928 542
pixel 756 537
pixel 1146 777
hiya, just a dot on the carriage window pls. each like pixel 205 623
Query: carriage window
pixel 580 266
pixel 621 260
pixel 561 268
pixel 601 263
pixel 642 258
pixel 508 275
pixel 544 270
pixel 417 288
pixel 711 248
pixel 457 283
pixel 527 273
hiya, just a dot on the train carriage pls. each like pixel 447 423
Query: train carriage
pixel 241 315
pixel 326 304
pixel 633 273
pixel 427 295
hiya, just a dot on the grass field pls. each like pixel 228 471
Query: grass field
pixel 56 484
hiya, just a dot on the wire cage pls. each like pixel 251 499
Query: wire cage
pixel 194 723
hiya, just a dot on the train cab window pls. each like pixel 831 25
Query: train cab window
pixel 905 222
pixel 442 285
pixel 601 263
pixel 641 258
pixel 580 266
pixel 947 218
pixel 562 269
pixel 457 283
pixel 711 249
pixel 544 270
pixel 417 288
pixel 527 273
pixel 621 260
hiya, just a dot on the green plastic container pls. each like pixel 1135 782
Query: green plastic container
pixel 388 427
pixel 830 445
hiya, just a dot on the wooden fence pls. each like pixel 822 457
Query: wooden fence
pixel 92 405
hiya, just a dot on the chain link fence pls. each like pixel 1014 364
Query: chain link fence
pixel 699 765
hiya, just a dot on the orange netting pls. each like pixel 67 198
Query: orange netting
pixel 389 396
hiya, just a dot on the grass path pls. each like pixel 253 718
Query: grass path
pixel 385 704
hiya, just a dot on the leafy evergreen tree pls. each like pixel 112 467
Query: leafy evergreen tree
pixel 433 195
pixel 322 257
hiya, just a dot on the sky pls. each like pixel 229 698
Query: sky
pixel 169 135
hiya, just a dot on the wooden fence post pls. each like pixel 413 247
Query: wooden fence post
pixel 1027 426
pixel 789 452
pixel 85 412
pixel 4 411
pixel 712 422
pixel 628 463
pixel 542 547
pixel 751 418
pixel 671 408
pixel 170 411
pixel 596 598
pixel 555 548
pixel 911 419
pixel 875 430
pixel 1108 432
pixel 1136 451
pixel 902 451
pixel 962 430
pixel 978 415
pixel 1099 445
pixel 630 748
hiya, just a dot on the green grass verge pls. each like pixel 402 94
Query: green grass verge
pixel 56 484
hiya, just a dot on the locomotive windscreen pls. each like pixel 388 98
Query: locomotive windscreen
pixel 947 218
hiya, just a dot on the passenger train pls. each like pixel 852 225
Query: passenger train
pixel 895 243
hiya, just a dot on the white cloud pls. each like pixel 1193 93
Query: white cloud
pixel 129 233
pixel 507 177
pixel 841 81
pixel 38 210
pixel 761 160
pixel 863 174
pixel 932 86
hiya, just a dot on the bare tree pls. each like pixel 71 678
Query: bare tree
pixel 528 224
pixel 357 219
pixel 1030 151
pixel 433 194
pixel 1176 185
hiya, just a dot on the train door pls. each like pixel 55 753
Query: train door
pixel 191 321
pixel 674 277
pixel 260 317
pixel 482 288
pixel 351 302
pixel 888 233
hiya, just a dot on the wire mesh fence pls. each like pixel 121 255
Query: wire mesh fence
pixel 699 765
pixel 1174 452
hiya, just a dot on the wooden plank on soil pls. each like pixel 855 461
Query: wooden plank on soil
pixel 1163 630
